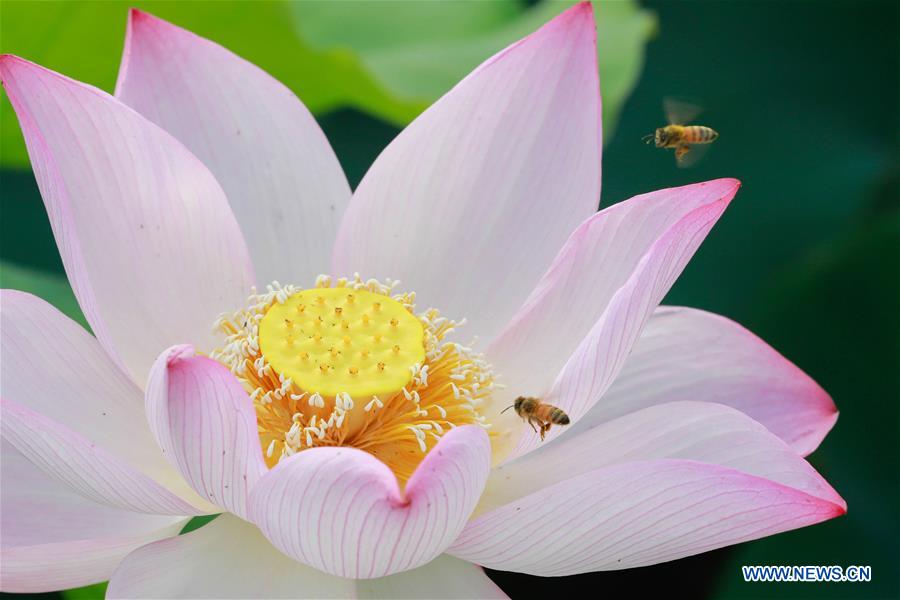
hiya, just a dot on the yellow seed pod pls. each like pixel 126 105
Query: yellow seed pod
pixel 303 337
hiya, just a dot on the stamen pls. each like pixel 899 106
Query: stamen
pixel 304 355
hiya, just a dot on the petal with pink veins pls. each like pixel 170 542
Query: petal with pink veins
pixel 597 260
pixel 341 510
pixel 230 558
pixel 148 241
pixel 74 412
pixel 636 514
pixel 54 538
pixel 282 178
pixel 227 558
pixel 91 471
pixel 589 309
pixel 205 424
pixel 446 577
pixel 469 204
pixel 688 354
pixel 701 431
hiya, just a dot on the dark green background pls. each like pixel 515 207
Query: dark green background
pixel 805 96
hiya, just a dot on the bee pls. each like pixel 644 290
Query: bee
pixel 682 137
pixel 535 412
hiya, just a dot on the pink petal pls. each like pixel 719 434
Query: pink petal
pixel 78 415
pixel 596 297
pixel 701 431
pixel 150 246
pixel 469 204
pixel 54 538
pixel 444 577
pixel 597 260
pixel 227 558
pixel 281 176
pixel 205 424
pixel 687 354
pixel 85 467
pixel 636 514
pixel 341 510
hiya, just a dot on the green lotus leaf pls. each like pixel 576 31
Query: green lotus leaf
pixel 390 59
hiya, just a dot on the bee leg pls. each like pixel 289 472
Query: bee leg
pixel 531 422
pixel 681 150
pixel 545 427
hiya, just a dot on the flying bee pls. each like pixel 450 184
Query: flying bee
pixel 682 137
pixel 535 412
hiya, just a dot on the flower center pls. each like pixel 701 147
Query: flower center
pixel 336 340
pixel 351 363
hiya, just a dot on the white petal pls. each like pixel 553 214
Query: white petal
pixel 688 354
pixel 341 509
pixel 228 558
pixel 635 514
pixel 701 431
pixel 582 319
pixel 148 241
pixel 281 176
pixel 85 467
pixel 77 414
pixel 469 204
pixel 54 538
pixel 206 425
pixel 444 577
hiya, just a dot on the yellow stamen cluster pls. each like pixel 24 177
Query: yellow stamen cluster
pixel 350 363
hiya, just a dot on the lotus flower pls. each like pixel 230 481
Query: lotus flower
pixel 355 444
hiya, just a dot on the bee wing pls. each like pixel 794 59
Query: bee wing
pixel 693 156
pixel 680 112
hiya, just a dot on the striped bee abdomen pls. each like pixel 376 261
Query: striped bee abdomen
pixel 558 417
pixel 699 134
pixel 552 414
